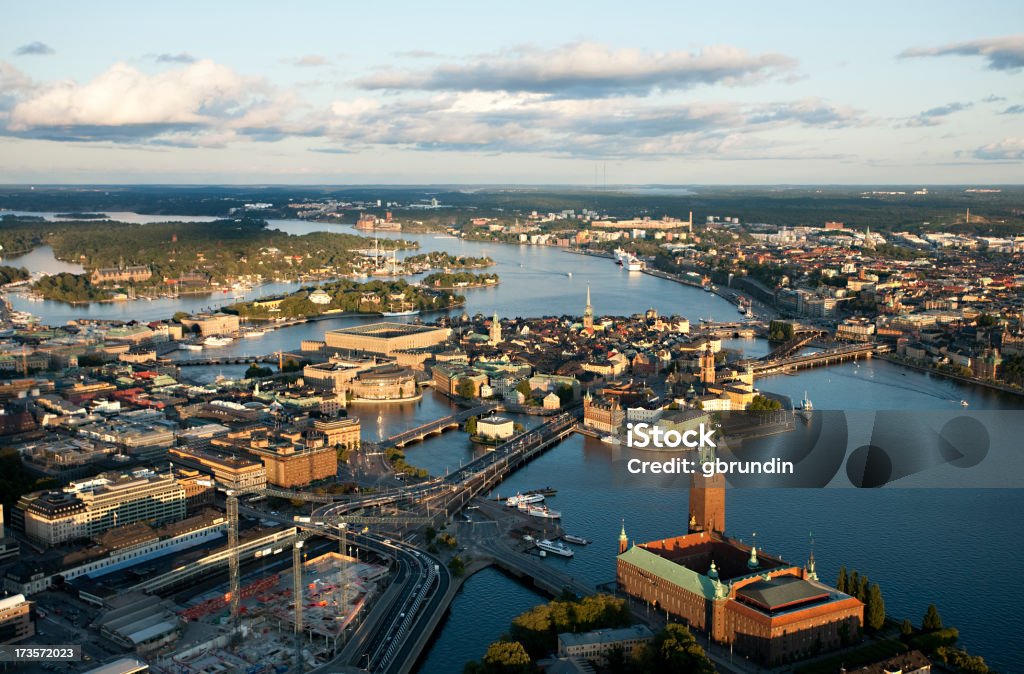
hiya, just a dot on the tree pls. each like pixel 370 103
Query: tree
pixel 471 425
pixel 290 365
pixel 255 371
pixel 564 393
pixel 874 612
pixel 853 583
pixel 524 388
pixel 906 628
pixel 502 657
pixel 674 651
pixel 761 403
pixel 465 388
pixel 932 620
pixel 862 589
pixel 457 566
pixel 841 583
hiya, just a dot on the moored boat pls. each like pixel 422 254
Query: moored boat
pixel 555 548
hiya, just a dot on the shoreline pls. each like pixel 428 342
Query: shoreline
pixel 1003 388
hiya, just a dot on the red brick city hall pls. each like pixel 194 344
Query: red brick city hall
pixel 762 606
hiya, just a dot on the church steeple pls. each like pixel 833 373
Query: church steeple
pixel 588 315
pixel 623 540
pixel 495 330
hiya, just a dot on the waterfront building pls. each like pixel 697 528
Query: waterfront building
pixel 90 507
pixel 595 646
pixel 212 324
pixel 495 427
pixel 758 604
pixel 603 416
pixel 384 383
pixel 386 337
pixel 121 274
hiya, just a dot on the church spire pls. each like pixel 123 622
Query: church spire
pixel 623 539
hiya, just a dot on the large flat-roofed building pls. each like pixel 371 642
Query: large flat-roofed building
pixel 15 619
pixel 90 507
pixel 228 470
pixel 386 337
pixel 760 605
pixel 296 466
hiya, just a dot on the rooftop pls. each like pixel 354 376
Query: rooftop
pixel 781 592
pixel 386 330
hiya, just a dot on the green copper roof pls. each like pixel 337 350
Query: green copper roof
pixel 669 571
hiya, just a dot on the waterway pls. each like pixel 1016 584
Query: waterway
pixel 958 548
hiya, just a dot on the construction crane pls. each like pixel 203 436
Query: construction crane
pixel 325 525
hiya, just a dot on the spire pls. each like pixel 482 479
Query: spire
pixel 623 539
pixel 812 574
pixel 713 571
pixel 752 562
pixel 588 296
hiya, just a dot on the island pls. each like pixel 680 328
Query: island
pixel 372 297
pixel 125 260
pixel 459 280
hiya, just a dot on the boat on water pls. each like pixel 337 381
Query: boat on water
pixel 555 548
pixel 543 512
pixel 523 499
pixel 578 540
pixel 806 408
pixel 410 312
pixel 634 264
pixel 217 341
pixel 964 403
pixel 190 347
pixel 611 440
pixel 620 255
pixel 254 334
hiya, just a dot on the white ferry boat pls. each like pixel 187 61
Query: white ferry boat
pixel 555 547
pixel 217 341
pixel 523 499
pixel 634 264
pixel 543 512
pixel 190 347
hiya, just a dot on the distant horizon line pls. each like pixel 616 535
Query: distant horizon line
pixel 603 188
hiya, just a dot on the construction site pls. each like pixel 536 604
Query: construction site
pixel 333 589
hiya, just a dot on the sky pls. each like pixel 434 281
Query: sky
pixel 585 93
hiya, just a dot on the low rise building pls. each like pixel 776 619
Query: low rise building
pixel 596 646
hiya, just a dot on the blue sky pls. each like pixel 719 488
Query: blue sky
pixel 528 92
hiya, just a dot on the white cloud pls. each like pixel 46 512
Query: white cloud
pixel 1002 53
pixel 587 69
pixel 124 104
pixel 1008 149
